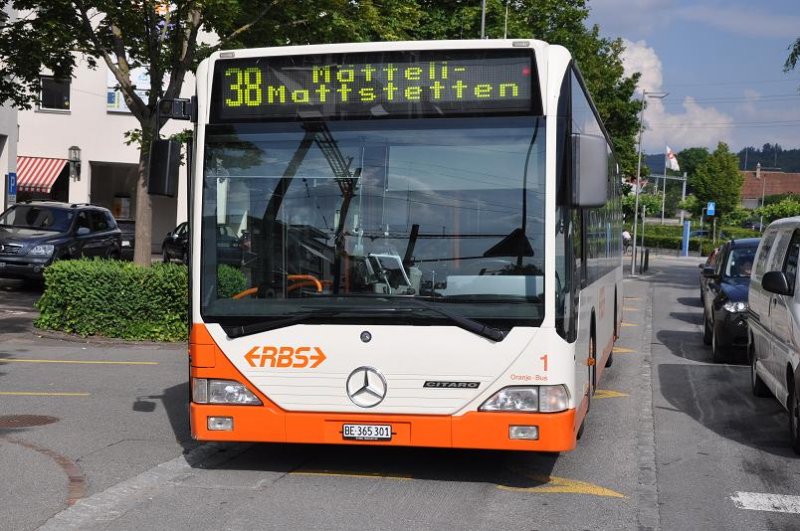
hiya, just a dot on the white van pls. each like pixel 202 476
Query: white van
pixel 774 319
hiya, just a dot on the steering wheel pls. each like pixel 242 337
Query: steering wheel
pixel 307 280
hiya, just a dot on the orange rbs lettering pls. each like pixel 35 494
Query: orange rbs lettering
pixel 285 357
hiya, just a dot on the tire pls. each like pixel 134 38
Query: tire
pixel 794 418
pixel 185 258
pixel 164 255
pixel 716 353
pixel 610 360
pixel 760 389
pixel 592 377
pixel 706 330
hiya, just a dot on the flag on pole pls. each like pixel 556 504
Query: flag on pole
pixel 672 160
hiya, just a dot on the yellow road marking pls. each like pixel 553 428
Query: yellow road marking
pixel 31 393
pixel 628 309
pixel 82 362
pixel 631 298
pixel 607 393
pixel 551 484
pixel 368 475
pixel 622 350
pixel 557 485
pixel 629 324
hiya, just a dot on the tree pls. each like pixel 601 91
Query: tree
pixel 718 179
pixel 162 37
pixel 689 159
pixel 786 208
pixel 794 56
pixel 123 35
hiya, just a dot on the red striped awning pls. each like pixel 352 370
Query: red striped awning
pixel 37 174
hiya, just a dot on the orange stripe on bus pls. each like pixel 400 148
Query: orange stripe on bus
pixel 270 423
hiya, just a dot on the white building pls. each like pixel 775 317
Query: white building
pixel 88 113
pixel 8 143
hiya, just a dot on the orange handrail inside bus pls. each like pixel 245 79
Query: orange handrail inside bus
pixel 308 280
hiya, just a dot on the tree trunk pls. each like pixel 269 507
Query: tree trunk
pixel 144 212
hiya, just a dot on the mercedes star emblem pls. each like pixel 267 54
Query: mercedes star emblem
pixel 366 387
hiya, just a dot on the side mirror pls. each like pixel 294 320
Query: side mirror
pixel 709 272
pixel 775 282
pixel 589 171
pixel 701 266
pixel 83 231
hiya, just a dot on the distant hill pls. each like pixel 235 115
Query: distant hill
pixel 770 156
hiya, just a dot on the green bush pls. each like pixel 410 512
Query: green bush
pixel 230 281
pixel 116 299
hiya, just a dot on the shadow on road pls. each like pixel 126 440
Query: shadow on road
pixel 693 302
pixel 175 401
pixel 719 398
pixel 511 469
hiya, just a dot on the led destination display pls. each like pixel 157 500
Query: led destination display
pixel 436 83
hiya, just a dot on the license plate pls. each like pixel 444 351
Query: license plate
pixel 367 432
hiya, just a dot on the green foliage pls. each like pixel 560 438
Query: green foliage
pixel 718 179
pixel 770 156
pixel 777 198
pixel 116 299
pixel 737 216
pixel 651 202
pixel 786 208
pixel 690 159
pixel 230 281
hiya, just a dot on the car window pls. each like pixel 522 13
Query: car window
pixel 740 262
pixel 99 221
pixel 779 250
pixel 83 221
pixel 181 230
pixel 37 217
pixel 763 256
pixel 723 251
pixel 790 267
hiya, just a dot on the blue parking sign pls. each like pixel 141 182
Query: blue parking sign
pixel 711 208
pixel 12 183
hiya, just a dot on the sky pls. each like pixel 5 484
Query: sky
pixel 721 61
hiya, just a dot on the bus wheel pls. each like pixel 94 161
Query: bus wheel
pixel 591 361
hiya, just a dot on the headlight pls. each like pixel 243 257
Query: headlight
pixel 222 392
pixel 513 399
pixel 42 250
pixel 542 399
pixel 126 243
pixel 735 307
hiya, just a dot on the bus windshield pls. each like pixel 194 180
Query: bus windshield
pixel 318 216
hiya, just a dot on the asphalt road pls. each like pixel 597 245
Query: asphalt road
pixel 671 443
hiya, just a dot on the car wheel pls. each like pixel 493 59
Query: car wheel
pixel 164 255
pixel 716 353
pixel 757 384
pixel 794 418
pixel 185 258
pixel 706 330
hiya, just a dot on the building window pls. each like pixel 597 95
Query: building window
pixel 55 93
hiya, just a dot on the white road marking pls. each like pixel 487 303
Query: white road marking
pixel 758 501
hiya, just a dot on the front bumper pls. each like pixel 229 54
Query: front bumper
pixel 731 328
pixel 23 267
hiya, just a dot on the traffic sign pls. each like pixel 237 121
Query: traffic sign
pixel 711 208
pixel 12 183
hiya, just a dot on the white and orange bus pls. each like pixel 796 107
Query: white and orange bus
pixel 423 240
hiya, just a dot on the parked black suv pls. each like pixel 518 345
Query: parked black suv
pixel 35 233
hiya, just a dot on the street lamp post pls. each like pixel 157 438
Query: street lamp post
pixel 645 95
pixel 763 184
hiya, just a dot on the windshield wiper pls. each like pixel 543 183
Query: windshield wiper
pixel 470 325
pixel 273 324
pixel 466 323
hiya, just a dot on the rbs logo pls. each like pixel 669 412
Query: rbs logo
pixel 285 357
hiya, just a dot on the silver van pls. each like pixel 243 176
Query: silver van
pixel 774 319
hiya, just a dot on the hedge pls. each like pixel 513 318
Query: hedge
pixel 123 300
pixel 116 299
